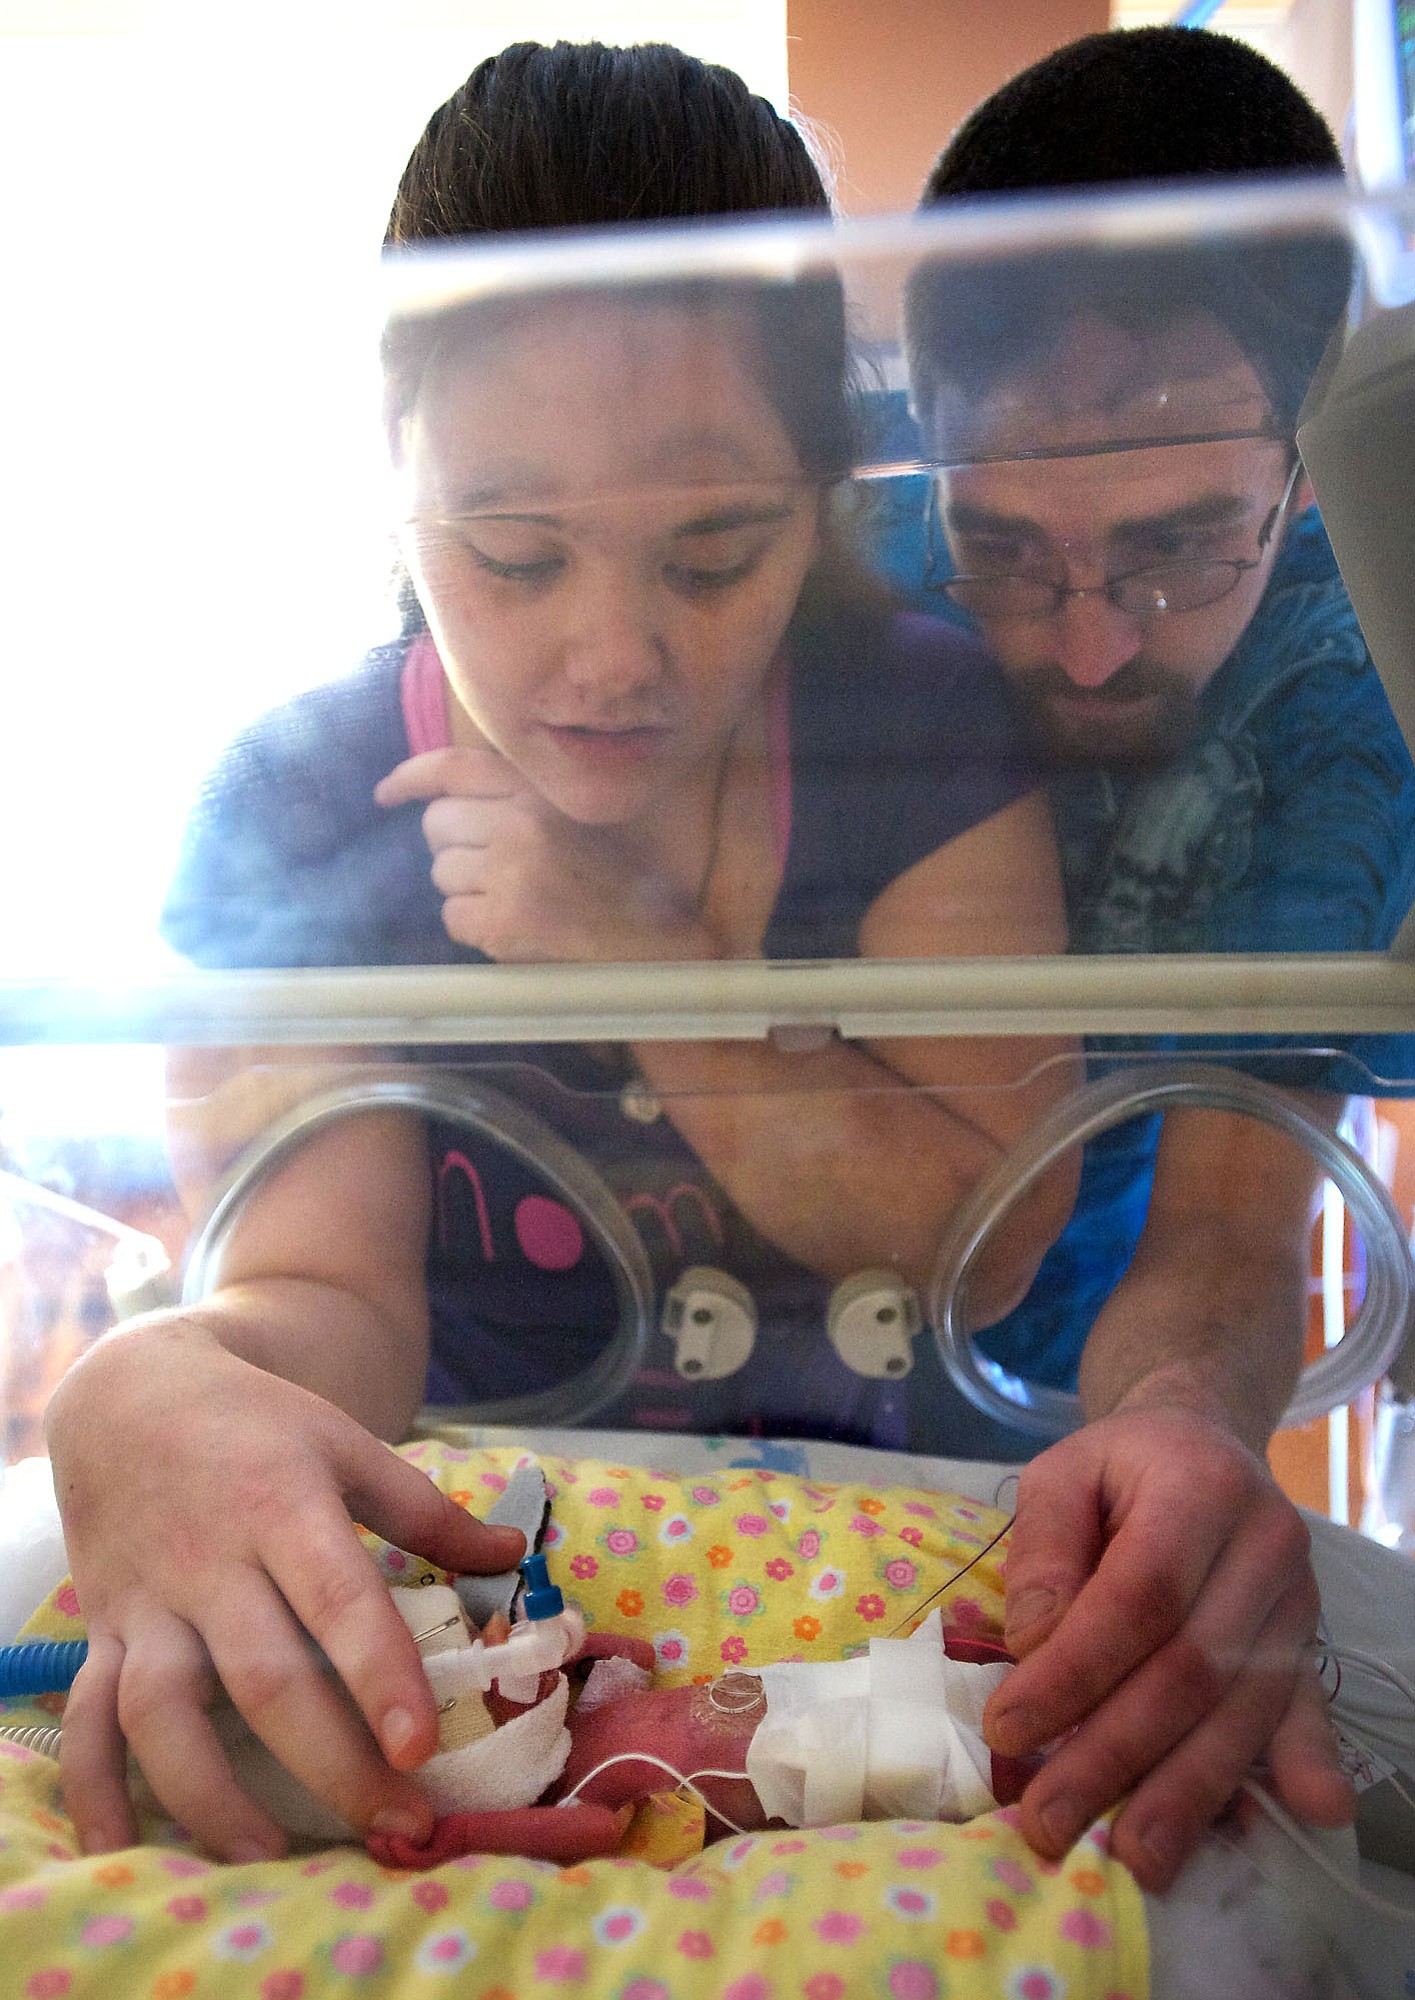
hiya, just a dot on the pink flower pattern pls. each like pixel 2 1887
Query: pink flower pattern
pixel 881 1894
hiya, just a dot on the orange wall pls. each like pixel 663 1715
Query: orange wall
pixel 888 80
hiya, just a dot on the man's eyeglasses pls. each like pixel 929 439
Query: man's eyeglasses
pixel 1141 593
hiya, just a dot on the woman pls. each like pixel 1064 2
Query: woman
pixel 640 716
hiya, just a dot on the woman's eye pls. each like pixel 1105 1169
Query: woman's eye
pixel 517 569
pixel 701 579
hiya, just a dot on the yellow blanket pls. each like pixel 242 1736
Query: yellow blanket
pixel 730 1571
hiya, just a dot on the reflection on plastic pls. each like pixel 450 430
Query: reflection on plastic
pixel 1382 1325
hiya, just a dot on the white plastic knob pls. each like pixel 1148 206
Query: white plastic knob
pixel 872 1319
pixel 712 1321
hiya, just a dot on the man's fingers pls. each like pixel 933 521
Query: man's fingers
pixel 1183 1730
pixel 93 1755
pixel 1162 1824
pixel 1053 1547
pixel 1304 1765
pixel 459 770
pixel 1131 1607
pixel 1141 1596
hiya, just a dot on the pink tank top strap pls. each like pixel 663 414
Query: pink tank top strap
pixel 778 733
pixel 424 694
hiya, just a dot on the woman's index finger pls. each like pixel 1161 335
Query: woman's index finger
pixel 456 771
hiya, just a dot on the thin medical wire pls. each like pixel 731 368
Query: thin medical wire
pixel 1382 1670
pixel 949 1582
pixel 1356 1890
pixel 689 1784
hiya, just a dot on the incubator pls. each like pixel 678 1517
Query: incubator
pixel 776 983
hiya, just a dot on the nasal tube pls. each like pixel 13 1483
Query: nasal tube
pixel 550 1633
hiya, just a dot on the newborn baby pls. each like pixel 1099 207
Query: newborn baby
pixel 893 1733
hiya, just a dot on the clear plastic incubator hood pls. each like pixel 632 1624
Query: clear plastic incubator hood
pixel 784 778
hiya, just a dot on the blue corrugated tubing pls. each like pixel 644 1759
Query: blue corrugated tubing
pixel 1197 15
pixel 41 1666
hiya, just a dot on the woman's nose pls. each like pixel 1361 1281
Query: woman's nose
pixel 1093 639
pixel 613 645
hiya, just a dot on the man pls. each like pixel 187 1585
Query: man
pixel 1125 517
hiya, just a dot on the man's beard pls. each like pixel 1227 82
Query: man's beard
pixel 1151 737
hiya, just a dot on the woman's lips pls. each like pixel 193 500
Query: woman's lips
pixel 606 745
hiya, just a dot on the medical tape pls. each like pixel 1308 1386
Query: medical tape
pixel 892 1734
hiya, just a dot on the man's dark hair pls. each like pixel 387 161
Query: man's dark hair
pixel 1133 105
pixel 1138 104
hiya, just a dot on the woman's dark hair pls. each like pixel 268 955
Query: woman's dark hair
pixel 1157 105
pixel 578 134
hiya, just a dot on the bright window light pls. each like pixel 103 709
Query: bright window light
pixel 191 502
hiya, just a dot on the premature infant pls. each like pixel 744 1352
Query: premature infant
pixel 892 1733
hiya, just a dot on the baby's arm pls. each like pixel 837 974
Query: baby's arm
pixel 208 1462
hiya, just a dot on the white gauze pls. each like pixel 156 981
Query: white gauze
pixel 893 1734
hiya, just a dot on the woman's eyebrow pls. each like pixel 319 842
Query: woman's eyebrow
pixel 525 516
pixel 745 514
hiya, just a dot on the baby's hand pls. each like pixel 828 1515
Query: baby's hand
pixel 207 1510
pixel 522 882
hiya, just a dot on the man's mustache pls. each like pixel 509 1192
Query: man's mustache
pixel 1132 682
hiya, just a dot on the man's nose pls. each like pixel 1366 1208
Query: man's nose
pixel 1093 639
pixel 613 645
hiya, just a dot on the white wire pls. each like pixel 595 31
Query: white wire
pixel 1358 1891
pixel 1381 1669
pixel 688 1783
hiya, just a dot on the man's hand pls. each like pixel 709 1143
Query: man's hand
pixel 206 1509
pixel 1163 1608
pixel 523 883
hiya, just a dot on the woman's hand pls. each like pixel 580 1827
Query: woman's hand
pixel 522 882
pixel 207 1511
